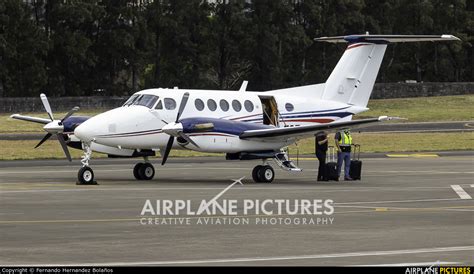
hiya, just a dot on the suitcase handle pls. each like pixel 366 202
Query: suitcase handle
pixel 356 149
pixel 331 154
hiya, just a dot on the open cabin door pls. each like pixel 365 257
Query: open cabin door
pixel 270 110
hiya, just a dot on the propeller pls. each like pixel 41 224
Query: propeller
pixel 52 126
pixel 176 129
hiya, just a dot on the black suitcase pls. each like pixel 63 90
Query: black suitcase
pixel 331 164
pixel 356 164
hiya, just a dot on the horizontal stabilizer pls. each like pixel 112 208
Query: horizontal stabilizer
pixel 386 39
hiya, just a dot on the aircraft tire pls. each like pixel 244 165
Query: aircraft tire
pixel 136 172
pixel 85 175
pixel 146 171
pixel 255 174
pixel 266 174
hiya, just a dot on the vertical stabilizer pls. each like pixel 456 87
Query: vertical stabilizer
pixel 353 78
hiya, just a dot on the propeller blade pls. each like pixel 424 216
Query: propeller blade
pixel 167 150
pixel 46 137
pixel 30 119
pixel 71 112
pixel 64 146
pixel 182 105
pixel 187 138
pixel 46 105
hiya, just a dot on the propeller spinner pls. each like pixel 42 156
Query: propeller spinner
pixel 51 126
pixel 175 130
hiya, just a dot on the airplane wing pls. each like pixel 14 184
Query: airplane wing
pixel 301 132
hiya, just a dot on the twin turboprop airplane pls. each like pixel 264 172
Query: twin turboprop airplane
pixel 244 125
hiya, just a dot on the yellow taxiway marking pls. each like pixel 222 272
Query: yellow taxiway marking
pixel 377 209
pixel 415 155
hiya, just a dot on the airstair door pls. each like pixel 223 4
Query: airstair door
pixel 270 110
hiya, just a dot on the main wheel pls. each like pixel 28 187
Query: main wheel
pixel 146 171
pixel 136 172
pixel 255 175
pixel 85 175
pixel 266 174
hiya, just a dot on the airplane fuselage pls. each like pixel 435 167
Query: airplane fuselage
pixel 136 126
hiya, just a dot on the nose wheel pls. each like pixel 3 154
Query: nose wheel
pixel 85 176
pixel 143 171
pixel 263 174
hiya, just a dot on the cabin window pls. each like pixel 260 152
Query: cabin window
pixel 248 105
pixel 170 103
pixel 289 107
pixel 224 105
pixel 159 105
pixel 199 104
pixel 236 105
pixel 211 104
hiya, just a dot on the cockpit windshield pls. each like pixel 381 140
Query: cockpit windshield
pixel 146 100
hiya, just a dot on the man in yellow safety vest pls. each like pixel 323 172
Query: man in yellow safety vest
pixel 343 140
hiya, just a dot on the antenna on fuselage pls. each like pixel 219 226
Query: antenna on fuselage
pixel 243 87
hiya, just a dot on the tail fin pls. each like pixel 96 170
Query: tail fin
pixel 353 78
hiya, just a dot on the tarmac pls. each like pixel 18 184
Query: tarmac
pixel 408 209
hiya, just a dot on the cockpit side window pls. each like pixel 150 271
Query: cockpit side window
pixel 159 105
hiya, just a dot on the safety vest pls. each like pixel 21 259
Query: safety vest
pixel 346 139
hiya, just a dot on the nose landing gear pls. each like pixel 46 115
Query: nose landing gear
pixel 85 175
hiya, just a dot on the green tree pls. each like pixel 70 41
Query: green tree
pixel 226 42
pixel 23 45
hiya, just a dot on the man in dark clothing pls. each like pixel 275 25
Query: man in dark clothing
pixel 321 145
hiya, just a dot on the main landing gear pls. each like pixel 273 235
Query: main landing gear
pixel 263 174
pixel 85 176
pixel 144 171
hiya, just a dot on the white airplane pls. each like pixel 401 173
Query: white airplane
pixel 244 125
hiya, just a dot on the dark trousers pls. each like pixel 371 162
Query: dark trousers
pixel 322 166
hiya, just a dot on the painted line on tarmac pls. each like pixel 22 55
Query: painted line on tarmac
pixel 428 264
pixel 416 155
pixel 234 168
pixel 73 188
pixel 281 258
pixel 174 217
pixel 461 192
pixel 115 170
pixel 400 201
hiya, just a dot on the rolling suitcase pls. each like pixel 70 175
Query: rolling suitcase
pixel 331 164
pixel 356 164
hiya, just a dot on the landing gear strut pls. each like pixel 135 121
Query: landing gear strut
pixel 144 171
pixel 263 174
pixel 85 176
